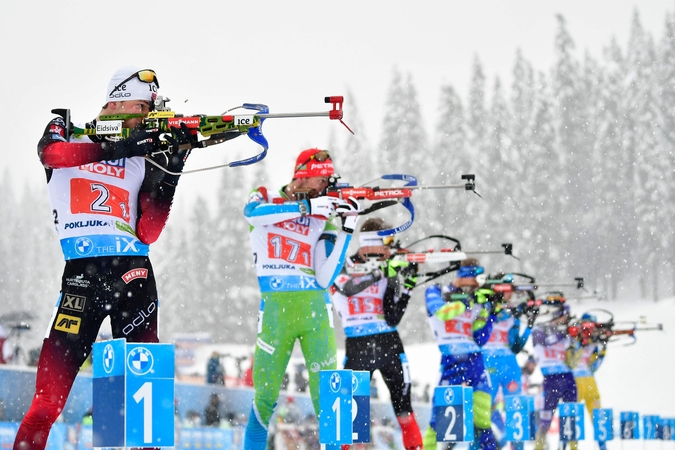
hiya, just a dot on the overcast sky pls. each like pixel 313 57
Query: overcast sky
pixel 211 56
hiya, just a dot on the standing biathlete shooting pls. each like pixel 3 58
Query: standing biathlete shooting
pixel 297 252
pixel 460 319
pixel 109 204
pixel 370 306
pixel 505 342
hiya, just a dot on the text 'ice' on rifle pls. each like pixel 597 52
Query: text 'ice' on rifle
pixel 213 129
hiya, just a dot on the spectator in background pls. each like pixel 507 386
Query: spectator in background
pixel 248 375
pixel 426 397
pixel 192 419
pixel 301 382
pixel 212 411
pixel 285 381
pixel 5 350
pixel 373 387
pixel 215 372
pixel 526 372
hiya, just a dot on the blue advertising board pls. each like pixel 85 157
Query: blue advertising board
pixel 335 403
pixel 361 406
pixel 133 394
pixel 571 421
pixel 651 427
pixel 521 419
pixel 603 426
pixel 453 410
pixel 630 425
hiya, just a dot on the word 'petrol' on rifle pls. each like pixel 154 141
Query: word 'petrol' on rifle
pixel 379 197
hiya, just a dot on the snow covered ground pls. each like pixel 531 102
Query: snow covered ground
pixel 638 377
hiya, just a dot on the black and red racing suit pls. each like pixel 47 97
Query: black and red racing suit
pixel 106 212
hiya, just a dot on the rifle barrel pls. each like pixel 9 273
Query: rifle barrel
pixel 293 115
pixel 439 186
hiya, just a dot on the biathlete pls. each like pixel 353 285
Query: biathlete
pixel 461 326
pixel 499 352
pixel 551 343
pixel 589 356
pixel 109 203
pixel 370 307
pixel 297 252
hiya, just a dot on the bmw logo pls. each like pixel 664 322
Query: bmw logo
pixel 108 358
pixel 276 283
pixel 140 361
pixel 355 383
pixel 335 382
pixel 84 246
pixel 448 396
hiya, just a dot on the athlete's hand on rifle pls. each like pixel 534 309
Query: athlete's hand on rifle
pixel 410 270
pixel 321 206
pixel 483 295
pixel 348 210
pixel 496 303
pixel 602 335
pixel 410 283
pixel 410 274
pixel 179 137
pixel 141 142
pixel 392 267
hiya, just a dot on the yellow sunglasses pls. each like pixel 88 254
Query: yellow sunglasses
pixel 145 75
pixel 320 156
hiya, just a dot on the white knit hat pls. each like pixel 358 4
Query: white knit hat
pixel 131 89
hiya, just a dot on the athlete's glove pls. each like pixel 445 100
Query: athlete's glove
pixel 604 336
pixel 483 295
pixel 141 142
pixel 348 210
pixel 179 136
pixel 410 270
pixel 496 304
pixel 410 283
pixel 321 206
pixel 392 267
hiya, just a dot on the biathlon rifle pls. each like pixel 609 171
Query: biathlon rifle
pixel 213 129
pixel 548 301
pixel 452 256
pixel 531 306
pixel 506 284
pixel 383 197
pixel 344 191
pixel 589 331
